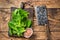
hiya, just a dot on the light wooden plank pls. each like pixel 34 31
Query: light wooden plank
pixel 40 35
pixel 55 35
pixel 4 18
pixel 16 3
pixel 54 17
pixel 36 35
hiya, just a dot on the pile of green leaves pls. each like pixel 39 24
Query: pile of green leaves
pixel 19 22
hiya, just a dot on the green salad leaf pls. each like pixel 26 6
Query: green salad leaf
pixel 19 22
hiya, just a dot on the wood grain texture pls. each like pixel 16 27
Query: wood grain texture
pixel 53 8
pixel 4 18
pixel 16 3
pixel 39 31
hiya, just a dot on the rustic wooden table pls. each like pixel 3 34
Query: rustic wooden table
pixel 53 8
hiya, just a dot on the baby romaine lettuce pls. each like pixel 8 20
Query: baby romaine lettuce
pixel 19 22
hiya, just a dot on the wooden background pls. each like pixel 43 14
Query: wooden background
pixel 53 8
